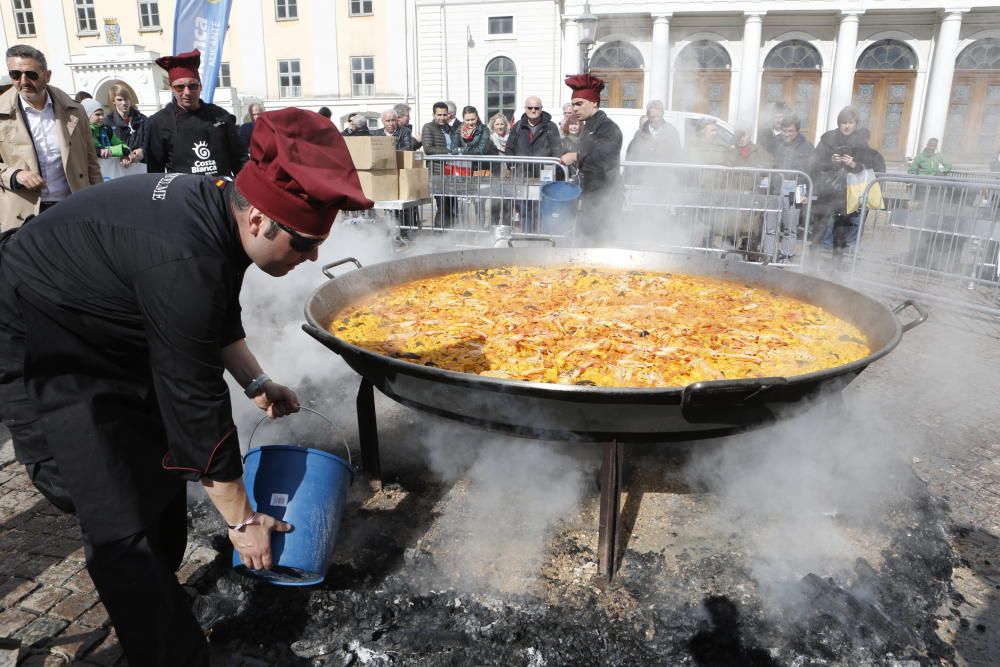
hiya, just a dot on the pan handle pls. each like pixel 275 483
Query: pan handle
pixel 917 307
pixel 740 402
pixel 524 237
pixel 764 258
pixel 327 267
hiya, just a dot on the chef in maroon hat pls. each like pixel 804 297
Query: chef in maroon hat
pixel 119 315
pixel 598 158
pixel 189 135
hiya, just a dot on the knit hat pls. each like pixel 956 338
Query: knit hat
pixel 90 106
pixel 586 87
pixel 300 172
pixel 183 65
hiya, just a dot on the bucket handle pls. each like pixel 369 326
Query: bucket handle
pixel 327 267
pixel 321 416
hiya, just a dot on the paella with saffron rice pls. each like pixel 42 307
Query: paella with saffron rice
pixel 599 327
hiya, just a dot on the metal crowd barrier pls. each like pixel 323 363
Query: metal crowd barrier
pixel 933 238
pixel 475 194
pixel 761 213
pixel 975 176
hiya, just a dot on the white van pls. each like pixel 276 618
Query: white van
pixel 685 122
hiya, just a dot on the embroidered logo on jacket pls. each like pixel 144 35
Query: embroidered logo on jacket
pixel 204 164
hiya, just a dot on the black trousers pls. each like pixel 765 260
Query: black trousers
pixel 135 579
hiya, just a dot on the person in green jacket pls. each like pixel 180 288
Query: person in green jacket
pixel 929 162
pixel 106 143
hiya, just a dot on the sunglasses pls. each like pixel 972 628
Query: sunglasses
pixel 533 108
pixel 16 74
pixel 179 87
pixel 298 242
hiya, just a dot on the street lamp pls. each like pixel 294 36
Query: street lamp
pixel 587 23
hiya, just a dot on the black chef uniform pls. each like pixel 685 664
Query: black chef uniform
pixel 599 159
pixel 120 317
pixel 204 141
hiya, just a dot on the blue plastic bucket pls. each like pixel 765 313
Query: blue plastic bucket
pixel 308 489
pixel 558 206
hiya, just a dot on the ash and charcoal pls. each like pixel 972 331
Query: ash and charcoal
pixel 685 594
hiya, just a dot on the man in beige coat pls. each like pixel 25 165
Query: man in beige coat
pixel 46 149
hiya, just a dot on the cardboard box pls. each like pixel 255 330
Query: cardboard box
pixel 380 185
pixel 371 153
pixel 409 160
pixel 414 184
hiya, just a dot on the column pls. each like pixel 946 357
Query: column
pixel 941 75
pixel 571 50
pixel 746 109
pixel 842 88
pixel 660 84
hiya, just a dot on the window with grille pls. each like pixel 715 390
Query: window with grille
pixel 500 25
pixel 888 54
pixel 149 14
pixel 289 78
pixel 86 16
pixel 794 54
pixel 24 18
pixel 703 54
pixel 285 10
pixel 501 87
pixel 981 54
pixel 361 7
pixel 362 76
pixel 224 80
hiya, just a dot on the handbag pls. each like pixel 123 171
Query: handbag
pixel 855 183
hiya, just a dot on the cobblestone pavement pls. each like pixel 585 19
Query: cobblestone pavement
pixel 947 379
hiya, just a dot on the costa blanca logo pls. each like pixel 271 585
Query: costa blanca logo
pixel 201 150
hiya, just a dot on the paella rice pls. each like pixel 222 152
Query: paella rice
pixel 598 326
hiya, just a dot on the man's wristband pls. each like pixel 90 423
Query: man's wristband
pixel 249 521
pixel 257 385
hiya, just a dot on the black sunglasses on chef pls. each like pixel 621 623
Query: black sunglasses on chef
pixel 298 242
pixel 16 74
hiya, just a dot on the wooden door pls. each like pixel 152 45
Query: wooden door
pixel 799 90
pixel 972 130
pixel 703 91
pixel 622 88
pixel 885 100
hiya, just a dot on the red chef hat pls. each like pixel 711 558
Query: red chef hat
pixel 586 87
pixel 181 66
pixel 300 172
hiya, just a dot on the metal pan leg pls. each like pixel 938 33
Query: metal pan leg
pixel 609 527
pixel 368 434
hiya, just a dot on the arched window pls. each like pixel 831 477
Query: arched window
pixel 888 54
pixel 703 54
pixel 793 54
pixel 617 55
pixel 620 65
pixel 981 54
pixel 501 87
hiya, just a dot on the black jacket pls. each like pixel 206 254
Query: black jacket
pixel 540 141
pixel 599 155
pixel 432 137
pixel 132 133
pixel 126 315
pixel 793 155
pixel 664 146
pixel 402 138
pixel 204 141
pixel 829 178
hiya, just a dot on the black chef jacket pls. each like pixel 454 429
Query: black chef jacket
pixel 205 141
pixel 599 155
pixel 128 292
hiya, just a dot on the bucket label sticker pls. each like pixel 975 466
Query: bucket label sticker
pixel 279 500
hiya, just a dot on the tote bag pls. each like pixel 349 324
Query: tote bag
pixel 855 186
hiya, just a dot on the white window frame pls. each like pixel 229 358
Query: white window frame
pixel 361 11
pixel 290 7
pixel 362 89
pixel 291 89
pixel 24 15
pixel 502 35
pixel 91 17
pixel 225 78
pixel 150 7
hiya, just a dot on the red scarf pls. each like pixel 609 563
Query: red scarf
pixel 468 134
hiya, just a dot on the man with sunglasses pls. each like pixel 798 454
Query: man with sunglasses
pixel 119 314
pixel 534 135
pixel 189 135
pixel 46 152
